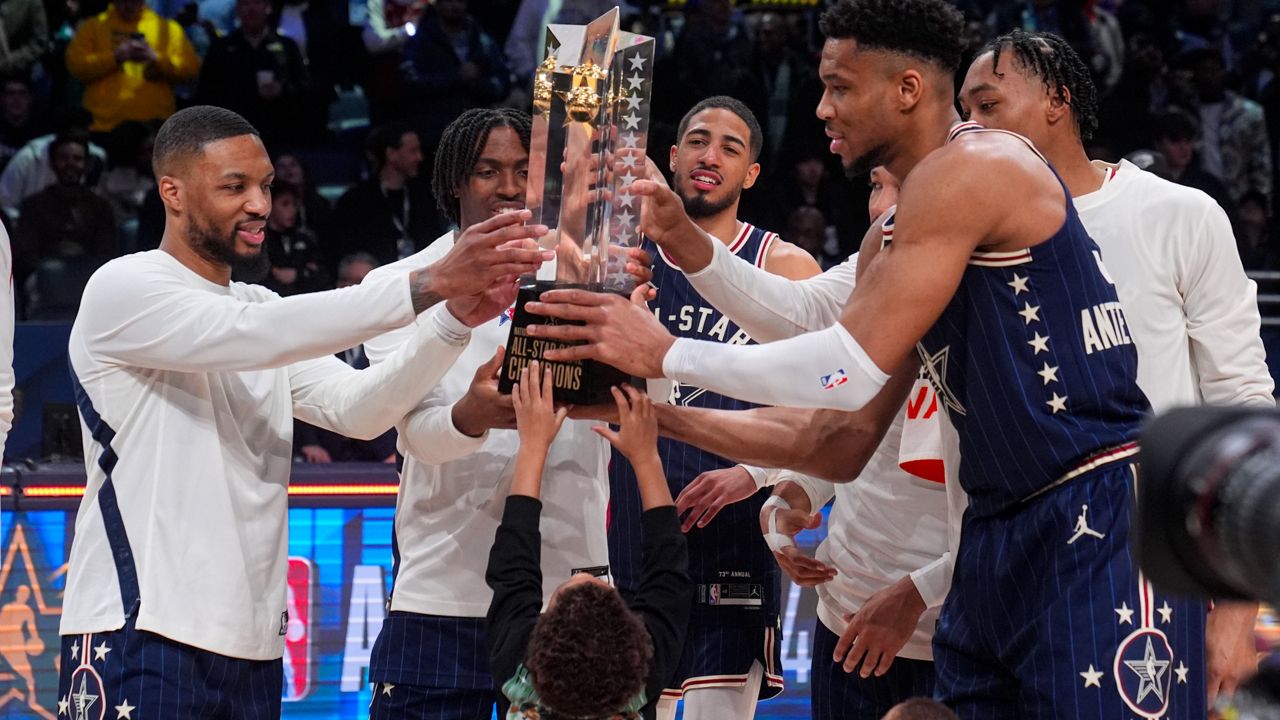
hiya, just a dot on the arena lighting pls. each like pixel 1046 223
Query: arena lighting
pixel 58 491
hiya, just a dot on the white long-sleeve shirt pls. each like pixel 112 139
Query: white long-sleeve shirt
pixel 453 487
pixel 6 338
pixel 1192 311
pixel 190 389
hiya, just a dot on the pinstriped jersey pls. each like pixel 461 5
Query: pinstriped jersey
pixel 1035 364
pixel 733 570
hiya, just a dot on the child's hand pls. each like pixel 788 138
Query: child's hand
pixel 537 419
pixel 637 438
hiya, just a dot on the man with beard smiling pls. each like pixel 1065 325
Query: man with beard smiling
pixel 731 652
pixel 188 385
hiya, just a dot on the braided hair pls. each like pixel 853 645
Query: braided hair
pixel 460 148
pixel 1063 73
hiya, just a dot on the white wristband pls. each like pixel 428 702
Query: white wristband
pixel 774 539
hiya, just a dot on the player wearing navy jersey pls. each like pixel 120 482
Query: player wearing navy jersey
pixel 1192 310
pixel 1013 316
pixel 731 653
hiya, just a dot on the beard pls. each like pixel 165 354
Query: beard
pixel 211 245
pixel 697 205
pixel 862 165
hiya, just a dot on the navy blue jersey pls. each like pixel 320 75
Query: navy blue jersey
pixel 732 568
pixel 1034 361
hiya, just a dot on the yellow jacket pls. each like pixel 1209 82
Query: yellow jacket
pixel 115 92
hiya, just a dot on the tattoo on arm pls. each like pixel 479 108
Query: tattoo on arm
pixel 422 290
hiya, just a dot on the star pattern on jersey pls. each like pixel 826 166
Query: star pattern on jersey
pixel 75 648
pixel 1039 343
pixel 64 705
pixel 1149 671
pixel 1057 403
pixel 387 688
pixel 1181 671
pixel 1126 615
pixel 1049 373
pixel 124 711
pixel 100 652
pixel 1092 678
pixel 935 367
pixel 1019 284
pixel 1166 612
pixel 83 699
pixel 1030 313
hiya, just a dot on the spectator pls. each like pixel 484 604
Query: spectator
pixel 260 75
pixel 129 58
pixel 24 36
pixel 392 214
pixel 65 223
pixel 784 90
pixel 1174 137
pixel 451 65
pixel 807 183
pixel 128 178
pixel 390 25
pixel 316 445
pixel 18 122
pixel 296 266
pixel 29 172
pixel 1142 91
pixel 528 35
pixel 1233 131
pixel 1255 237
pixel 807 228
pixel 314 211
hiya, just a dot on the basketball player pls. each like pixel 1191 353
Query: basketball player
pixel 1170 249
pixel 6 337
pixel 732 649
pixel 430 658
pixel 188 385
pixel 886 538
pixel 1005 309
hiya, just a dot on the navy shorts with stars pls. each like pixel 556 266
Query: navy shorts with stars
pixel 131 674
pixel 1048 618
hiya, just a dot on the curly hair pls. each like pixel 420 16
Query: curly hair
pixel 735 106
pixel 460 148
pixel 931 30
pixel 589 653
pixel 1058 66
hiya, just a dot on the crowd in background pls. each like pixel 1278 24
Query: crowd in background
pixel 351 99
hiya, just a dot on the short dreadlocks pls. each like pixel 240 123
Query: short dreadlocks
pixel 1056 63
pixel 932 30
pixel 460 148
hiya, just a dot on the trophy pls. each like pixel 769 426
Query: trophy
pixel 590 122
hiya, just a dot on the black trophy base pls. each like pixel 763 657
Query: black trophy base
pixel 581 382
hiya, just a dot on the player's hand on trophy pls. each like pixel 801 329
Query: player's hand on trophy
pixel 482 407
pixel 538 420
pixel 879 630
pixel 614 330
pixel 780 523
pixel 662 215
pixel 499 247
pixel 710 492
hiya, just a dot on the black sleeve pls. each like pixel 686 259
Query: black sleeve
pixel 664 597
pixel 515 576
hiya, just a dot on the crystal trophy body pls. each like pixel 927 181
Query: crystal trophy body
pixel 590 123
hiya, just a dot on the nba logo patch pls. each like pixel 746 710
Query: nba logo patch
pixel 506 316
pixel 834 380
pixel 297 630
pixel 1144 672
